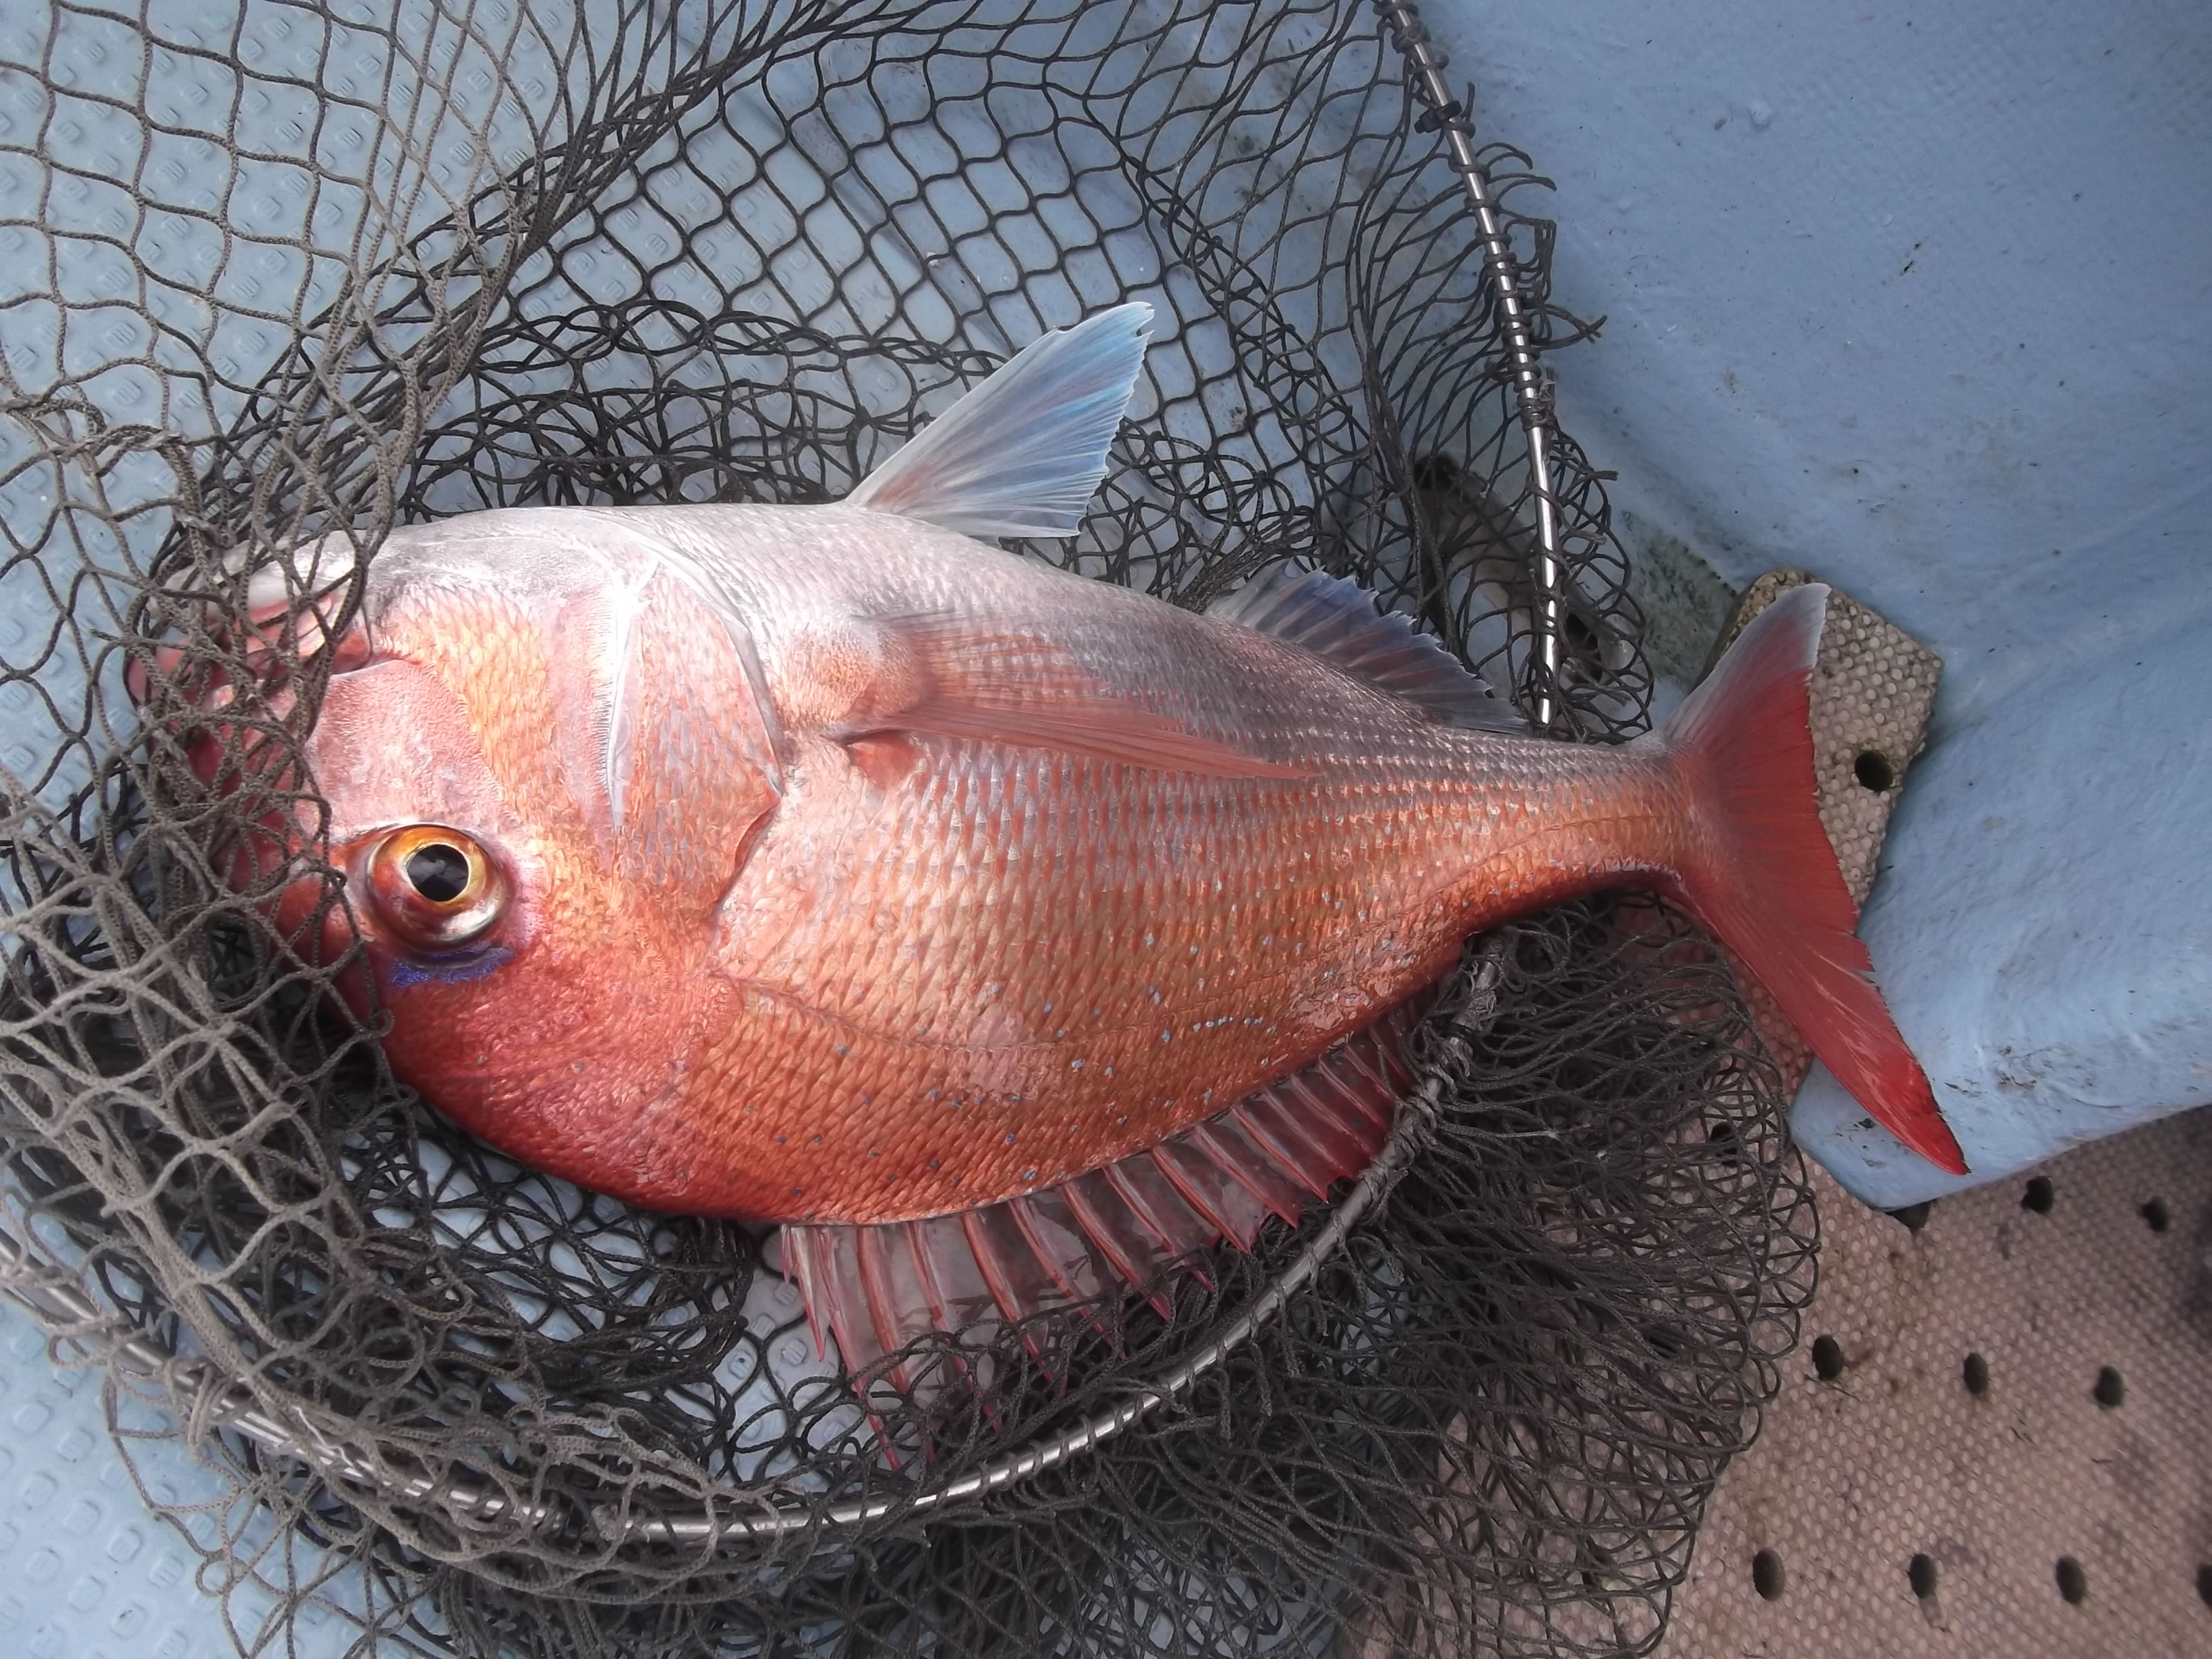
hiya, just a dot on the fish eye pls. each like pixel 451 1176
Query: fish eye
pixel 438 871
pixel 434 887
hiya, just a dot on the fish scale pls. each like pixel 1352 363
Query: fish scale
pixel 1354 929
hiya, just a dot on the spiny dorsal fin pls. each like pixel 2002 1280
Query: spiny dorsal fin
pixel 1023 454
pixel 1337 619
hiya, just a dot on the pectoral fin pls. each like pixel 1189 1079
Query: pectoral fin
pixel 946 676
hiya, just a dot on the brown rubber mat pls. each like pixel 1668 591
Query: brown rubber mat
pixel 2005 1409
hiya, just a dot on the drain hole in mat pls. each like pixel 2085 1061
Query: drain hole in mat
pixel 1827 1358
pixel 1977 1373
pixel 2204 1583
pixel 2154 1215
pixel 2110 1390
pixel 1767 1575
pixel 2038 1196
pixel 1874 770
pixel 1920 1572
pixel 2073 1582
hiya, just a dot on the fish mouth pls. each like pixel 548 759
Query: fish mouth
pixel 220 702
pixel 261 648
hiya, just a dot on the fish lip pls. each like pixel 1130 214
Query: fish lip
pixel 273 633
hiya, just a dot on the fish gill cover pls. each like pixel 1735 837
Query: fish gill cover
pixel 275 270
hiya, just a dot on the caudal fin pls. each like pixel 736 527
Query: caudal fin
pixel 1763 876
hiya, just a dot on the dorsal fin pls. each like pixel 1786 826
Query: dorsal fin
pixel 1023 454
pixel 1337 619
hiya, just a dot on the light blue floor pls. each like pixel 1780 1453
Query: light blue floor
pixel 85 1571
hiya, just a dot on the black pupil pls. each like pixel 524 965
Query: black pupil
pixel 439 872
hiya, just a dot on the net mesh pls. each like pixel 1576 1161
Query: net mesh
pixel 279 269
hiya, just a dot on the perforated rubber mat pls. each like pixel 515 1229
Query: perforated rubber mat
pixel 1993 1440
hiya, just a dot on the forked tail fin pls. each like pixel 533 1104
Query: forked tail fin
pixel 1761 874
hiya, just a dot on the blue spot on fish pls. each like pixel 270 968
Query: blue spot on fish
pixel 458 972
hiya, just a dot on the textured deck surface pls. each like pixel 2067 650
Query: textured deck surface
pixel 2090 1280
pixel 2022 1380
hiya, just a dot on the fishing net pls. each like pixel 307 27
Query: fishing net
pixel 276 271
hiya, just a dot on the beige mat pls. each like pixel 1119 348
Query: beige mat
pixel 2105 1268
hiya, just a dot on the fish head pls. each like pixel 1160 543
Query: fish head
pixel 534 769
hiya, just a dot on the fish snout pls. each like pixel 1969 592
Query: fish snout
pixel 293 610
pixel 218 689
pixel 217 680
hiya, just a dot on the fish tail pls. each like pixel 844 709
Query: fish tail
pixel 1759 871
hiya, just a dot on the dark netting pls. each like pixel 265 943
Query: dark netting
pixel 274 269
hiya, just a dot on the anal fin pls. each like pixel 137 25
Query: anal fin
pixel 1177 1231
pixel 878 1289
pixel 1121 1237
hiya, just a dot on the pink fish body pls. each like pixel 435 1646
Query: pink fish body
pixel 826 866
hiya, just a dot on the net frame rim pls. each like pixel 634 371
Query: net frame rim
pixel 1533 395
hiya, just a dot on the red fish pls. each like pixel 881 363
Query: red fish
pixel 1004 934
